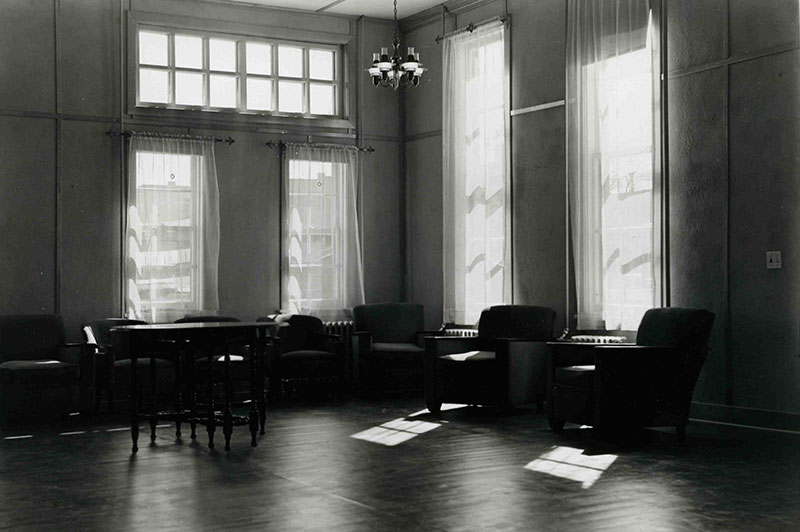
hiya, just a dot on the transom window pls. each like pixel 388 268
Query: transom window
pixel 189 70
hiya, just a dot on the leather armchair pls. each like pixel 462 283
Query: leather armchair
pixel 388 345
pixel 644 385
pixel 39 372
pixel 306 351
pixel 504 365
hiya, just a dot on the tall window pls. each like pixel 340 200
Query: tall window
pixel 613 161
pixel 477 270
pixel 173 228
pixel 220 72
pixel 322 271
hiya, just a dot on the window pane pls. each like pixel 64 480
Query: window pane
pixel 222 55
pixel 290 96
pixel 259 94
pixel 259 58
pixel 188 51
pixel 290 61
pixel 153 48
pixel 222 91
pixel 189 88
pixel 321 99
pixel 320 64
pixel 153 85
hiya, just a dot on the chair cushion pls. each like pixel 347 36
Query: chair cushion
pixel 30 337
pixel 390 322
pixel 469 356
pixel 575 376
pixel 41 373
pixel 515 321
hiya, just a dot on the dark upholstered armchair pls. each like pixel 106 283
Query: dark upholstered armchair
pixel 504 365
pixel 388 345
pixel 39 372
pixel 644 385
pixel 306 352
pixel 113 374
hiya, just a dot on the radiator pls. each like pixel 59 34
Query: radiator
pixel 343 329
pixel 460 332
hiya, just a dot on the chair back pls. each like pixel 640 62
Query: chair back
pixel 515 321
pixel 100 330
pixel 30 336
pixel 390 322
pixel 676 327
pixel 300 332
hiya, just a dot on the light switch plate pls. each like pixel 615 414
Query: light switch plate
pixel 774 261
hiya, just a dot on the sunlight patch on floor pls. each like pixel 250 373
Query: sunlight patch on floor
pixel 571 463
pixel 445 406
pixel 396 431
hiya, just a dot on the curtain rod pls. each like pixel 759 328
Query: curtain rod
pixel 228 140
pixel 470 27
pixel 271 144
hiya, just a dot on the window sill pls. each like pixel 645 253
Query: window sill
pixel 203 119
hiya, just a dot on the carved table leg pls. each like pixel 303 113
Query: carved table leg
pixel 210 427
pixel 178 397
pixel 153 404
pixel 192 391
pixel 262 375
pixel 134 396
pixel 227 420
pixel 254 390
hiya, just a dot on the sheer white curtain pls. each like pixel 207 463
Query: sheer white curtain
pixel 172 245
pixel 476 222
pixel 321 269
pixel 613 160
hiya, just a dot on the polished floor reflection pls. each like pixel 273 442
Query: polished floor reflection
pixel 389 465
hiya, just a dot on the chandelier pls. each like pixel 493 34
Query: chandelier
pixel 395 71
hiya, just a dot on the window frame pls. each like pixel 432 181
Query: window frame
pixel 343 46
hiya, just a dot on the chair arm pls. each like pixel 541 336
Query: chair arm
pixel 523 365
pixel 570 354
pixel 607 356
pixel 362 347
pixel 436 346
pixel 421 335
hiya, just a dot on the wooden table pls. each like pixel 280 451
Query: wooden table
pixel 211 339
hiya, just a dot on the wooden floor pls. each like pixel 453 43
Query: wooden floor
pixel 374 465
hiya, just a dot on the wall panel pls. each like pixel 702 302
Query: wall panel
pixel 27 215
pixel 424 175
pixel 698 210
pixel 90 220
pixel 249 206
pixel 89 57
pixel 765 215
pixel 539 210
pixel 380 222
pixel 27 52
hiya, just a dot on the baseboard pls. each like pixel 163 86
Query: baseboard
pixel 754 417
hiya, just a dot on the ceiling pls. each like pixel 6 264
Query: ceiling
pixel 370 8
